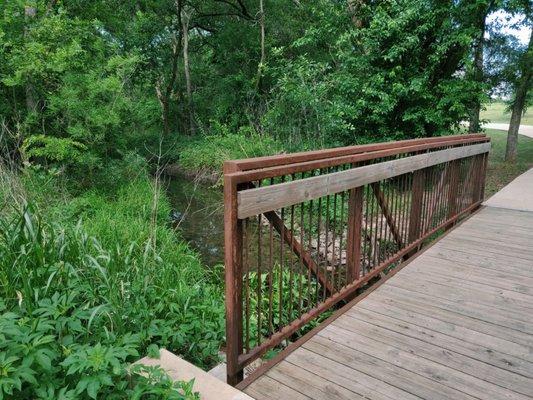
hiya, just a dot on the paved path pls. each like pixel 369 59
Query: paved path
pixel 526 130
pixel 518 195
pixel 454 323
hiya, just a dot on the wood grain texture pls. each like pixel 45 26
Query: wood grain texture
pixel 452 324
pixel 256 201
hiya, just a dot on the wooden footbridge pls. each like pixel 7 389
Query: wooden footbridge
pixel 349 266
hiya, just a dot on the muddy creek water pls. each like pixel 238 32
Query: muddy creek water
pixel 198 213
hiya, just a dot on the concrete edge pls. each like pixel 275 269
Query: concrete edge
pixel 209 387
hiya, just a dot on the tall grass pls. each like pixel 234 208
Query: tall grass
pixel 95 283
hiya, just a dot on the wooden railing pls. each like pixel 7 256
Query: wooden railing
pixel 304 231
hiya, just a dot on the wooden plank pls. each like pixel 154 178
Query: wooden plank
pixel 439 373
pixel 509 218
pixel 446 342
pixel 493 278
pixel 484 338
pixel 410 362
pixel 497 246
pixel 486 251
pixel 405 298
pixel 482 261
pixel 524 299
pixel 432 351
pixel 353 242
pixel 321 163
pixel 233 231
pixel 266 388
pixel 485 232
pixel 444 292
pixel 310 384
pixel 283 159
pixel 497 228
pixel 394 375
pixel 416 207
pixel 518 319
pixel 345 376
pixel 256 201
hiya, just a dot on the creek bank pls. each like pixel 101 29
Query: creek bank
pixel 204 176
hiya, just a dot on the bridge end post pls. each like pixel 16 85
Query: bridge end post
pixel 233 278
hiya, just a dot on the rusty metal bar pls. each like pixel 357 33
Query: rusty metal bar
pixel 284 159
pixel 386 212
pixel 264 173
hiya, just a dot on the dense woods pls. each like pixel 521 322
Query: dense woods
pixel 86 82
pixel 97 95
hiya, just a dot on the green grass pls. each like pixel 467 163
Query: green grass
pixel 89 284
pixel 496 112
pixel 500 173
pixel 208 153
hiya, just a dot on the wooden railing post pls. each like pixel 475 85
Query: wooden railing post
pixel 479 180
pixel 415 214
pixel 453 187
pixel 355 218
pixel 233 276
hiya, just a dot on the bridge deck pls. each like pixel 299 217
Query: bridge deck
pixel 454 323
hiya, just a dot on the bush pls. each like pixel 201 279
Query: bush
pixel 210 151
pixel 81 301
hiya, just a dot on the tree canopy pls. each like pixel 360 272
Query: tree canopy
pixel 82 82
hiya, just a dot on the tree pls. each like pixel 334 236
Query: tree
pixel 522 89
pixel 107 76
pixel 477 74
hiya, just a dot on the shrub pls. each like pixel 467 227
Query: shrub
pixel 81 301
pixel 210 151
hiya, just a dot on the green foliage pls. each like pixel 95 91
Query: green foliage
pixel 106 75
pixel 38 362
pixel 280 285
pixel 389 79
pixel 84 307
pixel 210 151
pixel 54 149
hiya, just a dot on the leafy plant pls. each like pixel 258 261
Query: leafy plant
pixel 210 151
pixel 76 312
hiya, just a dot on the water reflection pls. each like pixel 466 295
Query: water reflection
pixel 198 212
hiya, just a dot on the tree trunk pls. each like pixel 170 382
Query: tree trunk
pixel 185 44
pixel 164 92
pixel 163 102
pixel 31 103
pixel 519 102
pixel 262 60
pixel 478 75
pixel 354 9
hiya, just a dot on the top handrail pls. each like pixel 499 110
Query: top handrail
pixel 358 153
pixel 284 159
pixel 260 200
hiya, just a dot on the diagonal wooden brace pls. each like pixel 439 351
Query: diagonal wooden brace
pixel 388 216
pixel 298 249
